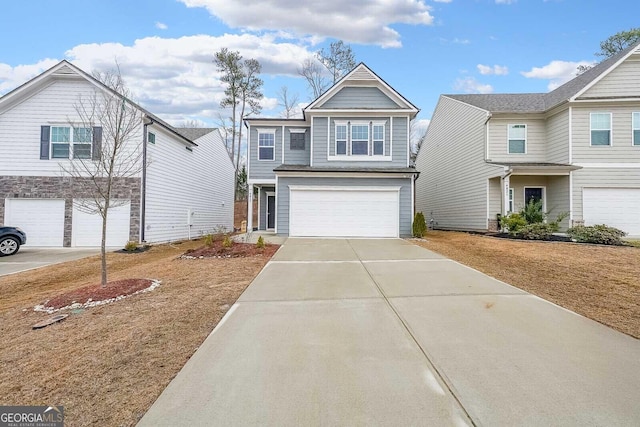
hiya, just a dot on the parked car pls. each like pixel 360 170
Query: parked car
pixel 11 238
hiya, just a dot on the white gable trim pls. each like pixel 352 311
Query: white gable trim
pixel 605 74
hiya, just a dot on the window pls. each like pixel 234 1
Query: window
pixel 510 199
pixel 359 140
pixel 600 128
pixel 636 129
pixel 151 138
pixel 297 141
pixel 266 145
pixel 378 140
pixel 517 139
pixel 67 142
pixel 341 140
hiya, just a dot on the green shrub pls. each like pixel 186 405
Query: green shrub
pixel 260 243
pixel 208 239
pixel 227 242
pixel 537 231
pixel 131 246
pixel 532 212
pixel 513 222
pixel 419 225
pixel 601 234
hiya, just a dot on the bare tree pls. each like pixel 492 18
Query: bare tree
pixel 288 102
pixel 250 95
pixel 225 126
pixel 228 64
pixel 105 149
pixel 416 139
pixel 339 59
pixel 191 124
pixel 315 75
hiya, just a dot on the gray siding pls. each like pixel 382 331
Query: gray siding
pixel 282 197
pixel 624 81
pixel 620 151
pixel 535 146
pixel 452 188
pixel 558 138
pixel 396 142
pixel 297 157
pixel 359 97
pixel 262 169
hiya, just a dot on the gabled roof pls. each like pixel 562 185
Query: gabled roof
pixel 66 69
pixel 541 102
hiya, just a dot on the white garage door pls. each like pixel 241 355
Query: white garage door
pixel 344 212
pixel 41 219
pixel 87 228
pixel 617 207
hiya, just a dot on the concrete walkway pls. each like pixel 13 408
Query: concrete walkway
pixel 383 332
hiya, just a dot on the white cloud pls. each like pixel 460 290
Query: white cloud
pixel 557 72
pixel 12 77
pixel 471 85
pixel 356 21
pixel 498 70
pixel 161 26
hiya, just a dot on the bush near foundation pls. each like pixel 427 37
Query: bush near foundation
pixel 601 234
pixel 419 225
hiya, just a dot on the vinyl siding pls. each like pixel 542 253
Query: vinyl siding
pixel 359 97
pixel 297 157
pixel 396 146
pixel 558 199
pixel 602 178
pixel 624 81
pixel 535 145
pixel 452 187
pixel 20 127
pixel 282 197
pixel 179 180
pixel 263 169
pixel 558 138
pixel 495 197
pixel 620 151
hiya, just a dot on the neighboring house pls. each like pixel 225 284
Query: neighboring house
pixel 341 170
pixel 577 148
pixel 185 187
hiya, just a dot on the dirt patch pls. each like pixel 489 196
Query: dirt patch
pixel 108 364
pixel 599 282
pixel 237 250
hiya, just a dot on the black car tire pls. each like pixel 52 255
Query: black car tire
pixel 9 246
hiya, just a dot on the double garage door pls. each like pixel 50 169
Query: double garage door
pixel 344 212
pixel 43 221
pixel 616 207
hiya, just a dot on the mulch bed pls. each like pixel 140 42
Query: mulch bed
pixel 237 250
pixel 552 238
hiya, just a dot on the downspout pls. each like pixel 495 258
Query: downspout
pixel 143 202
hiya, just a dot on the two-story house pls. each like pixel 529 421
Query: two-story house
pixel 181 186
pixel 577 148
pixel 342 169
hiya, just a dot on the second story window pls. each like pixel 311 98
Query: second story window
pixel 296 141
pixel 635 129
pixel 341 140
pixel 378 140
pixel 68 142
pixel 266 144
pixel 600 128
pixel 517 139
pixel 359 140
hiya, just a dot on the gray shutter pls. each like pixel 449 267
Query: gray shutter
pixel 44 142
pixel 97 143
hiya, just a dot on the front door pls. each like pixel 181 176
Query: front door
pixel 532 193
pixel 271 212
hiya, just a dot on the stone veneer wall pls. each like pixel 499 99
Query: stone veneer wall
pixel 49 187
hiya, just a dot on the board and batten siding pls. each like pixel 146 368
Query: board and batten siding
pixel 601 178
pixel 621 149
pixel 536 147
pixel 283 196
pixel 20 127
pixel 395 142
pixel 452 187
pixel 263 169
pixel 623 81
pixel 359 97
pixel 179 180
pixel 297 157
pixel 558 138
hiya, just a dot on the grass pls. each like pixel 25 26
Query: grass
pixel 108 364
pixel 599 282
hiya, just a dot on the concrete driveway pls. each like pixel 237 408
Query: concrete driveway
pixel 29 258
pixel 383 332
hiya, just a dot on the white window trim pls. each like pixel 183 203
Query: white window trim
pixel 511 199
pixel 71 142
pixel 350 136
pixel 384 137
pixel 610 129
pixel 348 157
pixel 526 129
pixel 295 130
pixel 633 142
pixel 335 139
pixel 544 195
pixel 262 131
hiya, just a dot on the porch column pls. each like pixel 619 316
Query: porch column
pixel 505 195
pixel 250 209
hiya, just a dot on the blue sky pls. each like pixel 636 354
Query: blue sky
pixel 422 48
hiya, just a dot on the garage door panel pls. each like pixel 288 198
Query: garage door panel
pixel 87 227
pixel 344 213
pixel 41 219
pixel 616 207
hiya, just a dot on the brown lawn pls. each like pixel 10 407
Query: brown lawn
pixel 108 364
pixel 599 282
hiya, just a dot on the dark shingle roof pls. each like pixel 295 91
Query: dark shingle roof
pixel 541 102
pixel 194 133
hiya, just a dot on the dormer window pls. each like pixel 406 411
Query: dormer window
pixel 517 139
